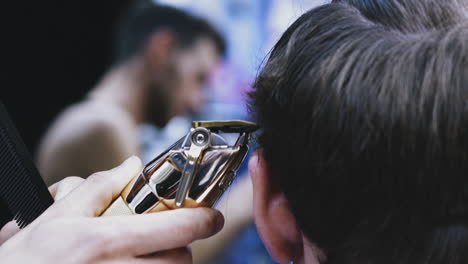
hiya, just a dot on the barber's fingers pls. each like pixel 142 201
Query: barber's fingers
pixel 57 190
pixel 174 256
pixel 96 193
pixel 7 231
pixel 140 235
pixel 178 255
pixel 62 188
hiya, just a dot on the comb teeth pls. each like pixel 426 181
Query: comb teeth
pixel 21 187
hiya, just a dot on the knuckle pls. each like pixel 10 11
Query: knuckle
pixel 98 177
pixel 65 186
pixel 72 181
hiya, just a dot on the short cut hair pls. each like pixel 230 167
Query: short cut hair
pixel 136 27
pixel 411 16
pixel 365 128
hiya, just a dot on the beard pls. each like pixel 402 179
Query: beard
pixel 158 104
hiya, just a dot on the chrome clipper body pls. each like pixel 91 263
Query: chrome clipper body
pixel 195 171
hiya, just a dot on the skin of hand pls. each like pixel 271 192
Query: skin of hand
pixel 70 231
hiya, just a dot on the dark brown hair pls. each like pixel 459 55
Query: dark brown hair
pixel 365 127
pixel 142 21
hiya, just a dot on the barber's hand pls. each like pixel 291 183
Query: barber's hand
pixel 57 190
pixel 70 232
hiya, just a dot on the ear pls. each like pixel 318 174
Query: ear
pixel 275 222
pixel 159 48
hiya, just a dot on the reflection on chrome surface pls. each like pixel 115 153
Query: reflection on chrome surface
pixel 202 163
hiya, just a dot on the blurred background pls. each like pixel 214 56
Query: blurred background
pixel 56 51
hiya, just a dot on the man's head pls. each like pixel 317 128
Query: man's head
pixel 365 137
pixel 178 51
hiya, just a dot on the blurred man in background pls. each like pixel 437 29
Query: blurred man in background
pixel 164 57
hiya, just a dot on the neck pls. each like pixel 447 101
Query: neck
pixel 125 87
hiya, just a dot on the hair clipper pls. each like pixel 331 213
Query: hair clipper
pixel 194 172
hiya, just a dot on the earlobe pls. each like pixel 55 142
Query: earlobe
pixel 273 217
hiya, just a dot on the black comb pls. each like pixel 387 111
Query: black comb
pixel 22 189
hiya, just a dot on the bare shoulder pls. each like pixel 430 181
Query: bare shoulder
pixel 87 137
pixel 86 120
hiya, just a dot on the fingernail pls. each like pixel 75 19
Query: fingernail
pixel 219 222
